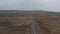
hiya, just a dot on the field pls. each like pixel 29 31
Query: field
pixel 18 22
pixel 49 24
pixel 14 25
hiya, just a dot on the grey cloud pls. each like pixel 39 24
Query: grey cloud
pixel 50 5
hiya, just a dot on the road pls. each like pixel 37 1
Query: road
pixel 33 26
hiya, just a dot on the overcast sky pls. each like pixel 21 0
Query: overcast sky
pixel 50 5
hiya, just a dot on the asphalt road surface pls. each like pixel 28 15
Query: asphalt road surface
pixel 33 26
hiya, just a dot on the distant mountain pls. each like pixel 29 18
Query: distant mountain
pixel 24 12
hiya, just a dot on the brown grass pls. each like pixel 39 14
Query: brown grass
pixel 20 25
pixel 48 24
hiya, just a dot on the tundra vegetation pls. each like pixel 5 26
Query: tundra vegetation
pixel 14 25
pixel 48 23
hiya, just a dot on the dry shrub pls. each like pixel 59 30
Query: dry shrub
pixel 48 25
pixel 17 21
pixel 16 25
